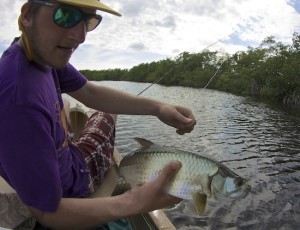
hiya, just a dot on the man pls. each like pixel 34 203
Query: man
pixel 49 172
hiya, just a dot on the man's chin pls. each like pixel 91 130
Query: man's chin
pixel 60 64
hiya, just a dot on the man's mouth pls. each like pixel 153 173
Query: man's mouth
pixel 66 49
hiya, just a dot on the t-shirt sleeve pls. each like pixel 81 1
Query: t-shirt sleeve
pixel 28 156
pixel 70 79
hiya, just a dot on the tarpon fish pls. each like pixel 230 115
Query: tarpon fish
pixel 200 176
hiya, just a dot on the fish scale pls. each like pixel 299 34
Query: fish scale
pixel 146 165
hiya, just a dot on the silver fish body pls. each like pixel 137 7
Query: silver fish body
pixel 199 177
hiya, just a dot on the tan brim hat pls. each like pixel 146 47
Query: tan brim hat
pixel 95 4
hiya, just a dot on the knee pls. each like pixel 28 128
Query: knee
pixel 114 117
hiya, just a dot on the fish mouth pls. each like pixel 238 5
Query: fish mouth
pixel 241 192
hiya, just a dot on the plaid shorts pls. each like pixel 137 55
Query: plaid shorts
pixel 96 144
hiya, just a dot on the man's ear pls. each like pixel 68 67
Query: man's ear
pixel 26 16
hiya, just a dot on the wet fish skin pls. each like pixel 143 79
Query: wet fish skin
pixel 200 176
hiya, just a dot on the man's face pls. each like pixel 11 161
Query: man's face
pixel 51 44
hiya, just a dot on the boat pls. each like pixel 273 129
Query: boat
pixel 15 215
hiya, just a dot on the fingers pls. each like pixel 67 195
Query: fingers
pixel 183 131
pixel 187 128
pixel 163 179
pixel 152 195
pixel 178 117
pixel 187 121
pixel 187 113
pixel 168 172
pixel 185 116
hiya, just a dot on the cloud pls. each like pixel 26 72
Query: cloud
pixel 10 10
pixel 110 59
pixel 295 4
pixel 153 30
pixel 137 46
pixel 167 22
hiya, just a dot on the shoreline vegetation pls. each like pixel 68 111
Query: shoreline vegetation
pixel 270 72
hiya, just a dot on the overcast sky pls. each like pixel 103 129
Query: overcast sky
pixel 158 29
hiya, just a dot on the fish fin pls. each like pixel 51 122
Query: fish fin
pixel 143 142
pixel 200 200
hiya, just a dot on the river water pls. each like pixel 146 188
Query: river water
pixel 254 140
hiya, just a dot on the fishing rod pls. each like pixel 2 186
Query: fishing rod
pixel 175 66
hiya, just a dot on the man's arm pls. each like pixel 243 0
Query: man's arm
pixel 118 102
pixel 86 213
pixel 114 101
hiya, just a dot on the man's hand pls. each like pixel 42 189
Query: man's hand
pixel 178 117
pixel 152 195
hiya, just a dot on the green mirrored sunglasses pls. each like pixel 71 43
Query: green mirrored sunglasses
pixel 67 16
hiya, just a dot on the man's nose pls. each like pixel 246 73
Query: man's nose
pixel 78 32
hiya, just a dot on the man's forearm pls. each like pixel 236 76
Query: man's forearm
pixel 84 213
pixel 115 101
pixel 87 213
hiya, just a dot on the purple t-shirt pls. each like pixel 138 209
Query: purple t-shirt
pixel 35 157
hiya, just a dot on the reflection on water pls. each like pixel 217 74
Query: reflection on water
pixel 255 141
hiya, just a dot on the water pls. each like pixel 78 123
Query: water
pixel 256 141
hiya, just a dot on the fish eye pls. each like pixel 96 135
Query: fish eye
pixel 239 181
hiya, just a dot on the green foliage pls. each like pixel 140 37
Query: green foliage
pixel 270 71
pixel 111 74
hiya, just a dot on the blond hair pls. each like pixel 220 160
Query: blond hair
pixel 25 38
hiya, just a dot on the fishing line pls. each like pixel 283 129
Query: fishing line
pixel 214 75
pixel 176 66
